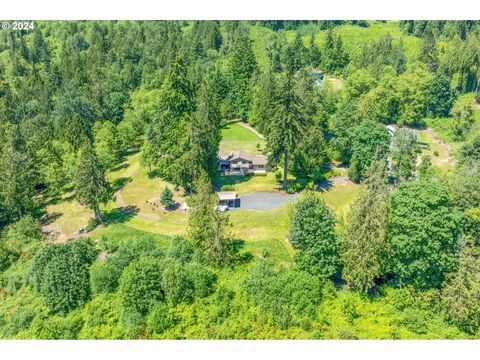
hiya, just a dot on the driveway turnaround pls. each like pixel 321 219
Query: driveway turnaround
pixel 264 200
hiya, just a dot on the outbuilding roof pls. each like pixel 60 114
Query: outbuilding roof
pixel 227 195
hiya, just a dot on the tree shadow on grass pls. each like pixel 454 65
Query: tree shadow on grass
pixel 239 256
pixel 155 173
pixel 324 185
pixel 120 215
pixel 120 183
pixel 230 180
pixel 120 167
pixel 47 218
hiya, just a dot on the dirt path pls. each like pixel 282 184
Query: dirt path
pixel 446 149
pixel 248 127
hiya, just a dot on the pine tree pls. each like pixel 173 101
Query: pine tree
pixel 242 66
pixel 404 154
pixel 264 102
pixel 462 290
pixel 363 246
pixel 208 227
pixel 429 52
pixel 17 175
pixel 91 185
pixel 314 54
pixel 148 153
pixel 440 96
pixel 287 126
pixel 166 198
pixel 176 103
pixel 312 234
pixel 201 152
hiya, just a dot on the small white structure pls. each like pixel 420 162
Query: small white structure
pixel 391 129
pixel 227 198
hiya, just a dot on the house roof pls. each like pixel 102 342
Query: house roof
pixel 259 160
pixel 235 155
pixel 227 195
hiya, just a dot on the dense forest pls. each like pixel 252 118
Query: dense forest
pixel 396 257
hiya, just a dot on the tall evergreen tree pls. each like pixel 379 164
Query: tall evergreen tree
pixel 17 174
pixel 314 53
pixel 208 227
pixel 462 290
pixel 287 126
pixel 242 66
pixel 176 103
pixel 264 102
pixel 201 153
pixel 312 234
pixel 363 243
pixel 91 185
pixel 404 154
pixel 429 52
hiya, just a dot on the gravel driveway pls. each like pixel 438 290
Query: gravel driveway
pixel 264 200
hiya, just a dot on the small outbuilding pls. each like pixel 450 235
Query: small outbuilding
pixel 227 198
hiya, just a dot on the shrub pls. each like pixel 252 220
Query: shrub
pixel 176 283
pixel 278 175
pixel 140 285
pixel 103 278
pixel 60 273
pixel 25 235
pixel 312 233
pixel 285 296
pixel 203 279
pixel 159 319
pixel 180 250
pixel 92 224
pixel 476 97
pixel 56 328
pixel 6 257
pixel 260 174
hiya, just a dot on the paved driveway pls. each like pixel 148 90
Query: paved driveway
pixel 264 200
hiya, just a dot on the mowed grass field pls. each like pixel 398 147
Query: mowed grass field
pixel 235 138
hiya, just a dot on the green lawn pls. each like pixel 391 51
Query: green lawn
pixel 69 216
pixel 235 137
pixel 139 189
pixel 120 232
pixel 251 183
pixel 340 196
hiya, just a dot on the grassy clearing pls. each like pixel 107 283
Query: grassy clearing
pixel 340 196
pixel 235 137
pixel 444 126
pixel 69 216
pixel 170 224
pixel 139 189
pixel 251 183
pixel 120 232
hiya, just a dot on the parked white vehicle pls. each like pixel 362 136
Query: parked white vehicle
pixel 222 208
